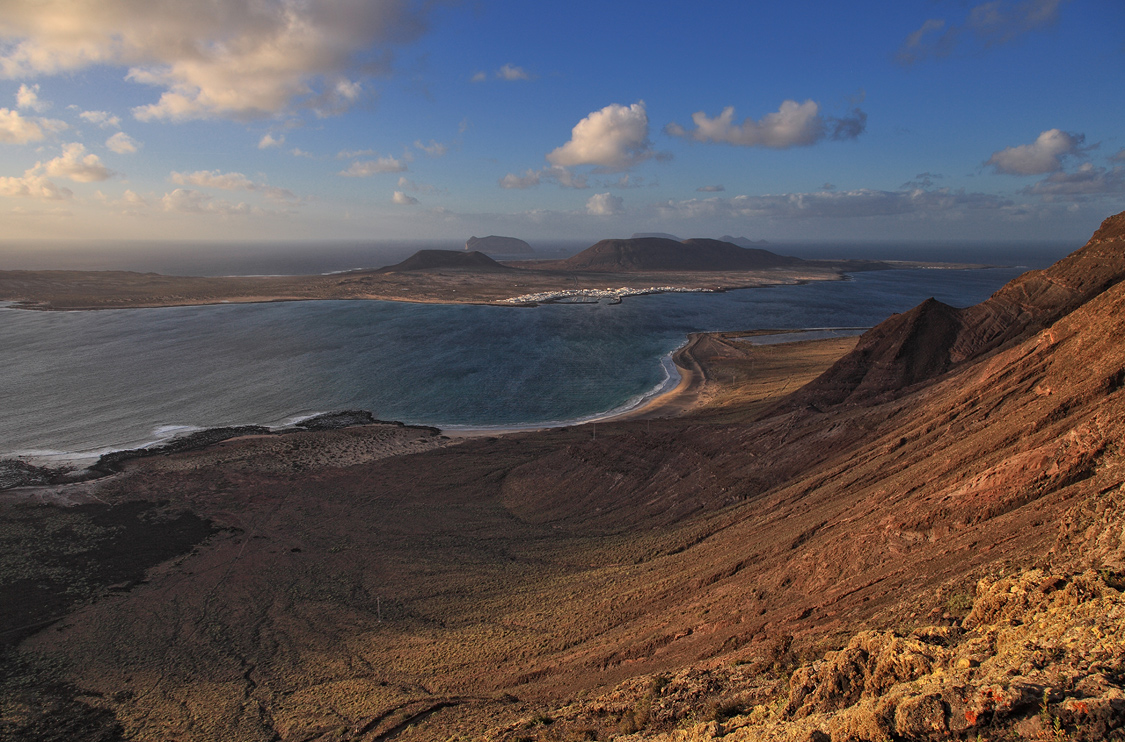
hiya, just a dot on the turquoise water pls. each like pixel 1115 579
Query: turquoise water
pixel 76 384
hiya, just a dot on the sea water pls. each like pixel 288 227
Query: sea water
pixel 76 384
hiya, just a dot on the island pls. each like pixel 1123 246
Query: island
pixel 630 266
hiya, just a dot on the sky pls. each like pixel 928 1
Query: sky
pixel 323 120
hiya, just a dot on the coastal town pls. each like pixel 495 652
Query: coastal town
pixel 592 296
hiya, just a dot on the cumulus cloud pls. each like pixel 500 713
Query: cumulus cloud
pixel 230 182
pixel 988 24
pixel 531 178
pixel 365 168
pixel 15 129
pixel 511 72
pixel 614 138
pixel 122 143
pixel 1044 155
pixel 226 58
pixel 78 166
pixel 605 204
pixel 103 119
pixel 28 97
pixel 402 199
pixel 479 77
pixel 33 184
pixel 1086 182
pixel 834 204
pixel 269 141
pixel 793 125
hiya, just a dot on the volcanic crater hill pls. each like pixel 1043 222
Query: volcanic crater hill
pixel 436 260
pixel 938 556
pixel 932 338
pixel 498 245
pixel 660 254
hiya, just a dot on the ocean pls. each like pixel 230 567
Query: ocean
pixel 78 384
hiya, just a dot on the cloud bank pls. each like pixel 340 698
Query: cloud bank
pixel 793 125
pixel 834 204
pixel 224 58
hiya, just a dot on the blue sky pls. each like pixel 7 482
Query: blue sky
pixel 392 119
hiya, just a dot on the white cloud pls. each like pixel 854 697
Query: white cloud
pixel 614 138
pixel 187 201
pixel 1044 155
pixel 28 97
pixel 225 58
pixel 267 141
pixel 529 179
pixel 103 119
pixel 298 152
pixel 402 199
pixel 793 125
pixel 230 182
pixel 122 143
pixel 15 129
pixel 532 178
pixel 78 166
pixel 479 77
pixel 605 204
pixel 433 149
pixel 988 24
pixel 33 185
pixel 511 72
pixel 365 168
pixel 711 189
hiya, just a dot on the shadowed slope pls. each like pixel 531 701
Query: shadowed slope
pixel 430 260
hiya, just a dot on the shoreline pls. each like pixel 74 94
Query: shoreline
pixel 679 395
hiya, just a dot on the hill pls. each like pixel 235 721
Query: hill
pixel 497 245
pixel 434 260
pixel 660 254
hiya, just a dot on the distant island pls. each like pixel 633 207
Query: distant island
pixel 663 254
pixel 621 267
pixel 497 245
pixel 743 241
